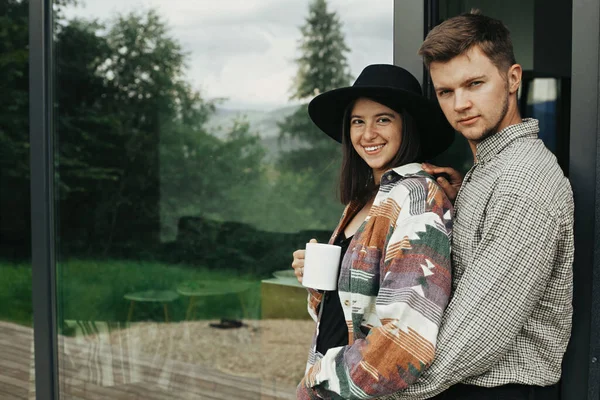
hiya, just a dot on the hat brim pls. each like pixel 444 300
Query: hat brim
pixel 327 112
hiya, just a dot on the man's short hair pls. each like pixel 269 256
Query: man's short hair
pixel 459 34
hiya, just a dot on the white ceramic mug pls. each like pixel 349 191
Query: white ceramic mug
pixel 321 266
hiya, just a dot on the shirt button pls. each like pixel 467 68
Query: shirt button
pixel 347 303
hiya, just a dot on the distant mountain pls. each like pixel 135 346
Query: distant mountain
pixel 264 123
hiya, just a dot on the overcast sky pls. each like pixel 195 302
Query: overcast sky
pixel 244 49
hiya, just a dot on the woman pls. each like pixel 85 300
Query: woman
pixel 377 332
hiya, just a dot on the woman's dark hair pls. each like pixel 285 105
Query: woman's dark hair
pixel 356 177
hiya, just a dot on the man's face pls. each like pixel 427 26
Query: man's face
pixel 474 96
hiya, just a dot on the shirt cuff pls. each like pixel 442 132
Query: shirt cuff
pixel 304 392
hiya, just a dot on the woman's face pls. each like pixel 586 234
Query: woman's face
pixel 375 133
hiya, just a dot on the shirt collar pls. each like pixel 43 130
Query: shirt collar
pixel 494 144
pixel 407 169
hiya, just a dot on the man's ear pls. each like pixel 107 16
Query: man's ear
pixel 515 73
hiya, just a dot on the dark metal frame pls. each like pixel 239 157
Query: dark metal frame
pixel 408 35
pixel 431 19
pixel 581 369
pixel 42 198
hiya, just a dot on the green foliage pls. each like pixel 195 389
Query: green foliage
pixel 203 175
pixel 135 161
pixel 116 88
pixel 299 125
pixel 313 200
pixel 240 246
pixel 14 104
pixel 93 290
pixel 323 64
pixel 14 128
pixel 14 98
pixel 311 172
pixel 133 146
pixel 134 154
pixel 15 293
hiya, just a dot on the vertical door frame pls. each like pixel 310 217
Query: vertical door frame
pixel 42 198
pixel 581 369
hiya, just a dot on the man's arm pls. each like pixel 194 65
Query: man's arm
pixel 496 294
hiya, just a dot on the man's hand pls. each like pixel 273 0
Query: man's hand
pixel 450 186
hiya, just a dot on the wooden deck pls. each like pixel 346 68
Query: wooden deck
pixel 89 370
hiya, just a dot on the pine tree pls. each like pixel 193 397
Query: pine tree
pixel 323 64
pixel 311 169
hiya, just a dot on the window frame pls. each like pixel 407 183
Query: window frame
pixel 42 198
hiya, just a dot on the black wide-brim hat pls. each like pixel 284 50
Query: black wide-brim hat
pixel 395 88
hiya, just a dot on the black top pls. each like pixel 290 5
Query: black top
pixel 333 331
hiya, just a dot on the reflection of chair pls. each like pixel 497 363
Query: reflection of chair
pixel 151 296
pixel 205 288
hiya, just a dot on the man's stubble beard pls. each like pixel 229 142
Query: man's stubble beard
pixel 487 133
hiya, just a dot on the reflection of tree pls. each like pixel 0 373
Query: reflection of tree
pixel 116 93
pixel 322 64
pixel 203 175
pixel 131 138
pixel 134 148
pixel 134 152
pixel 313 169
pixel 14 128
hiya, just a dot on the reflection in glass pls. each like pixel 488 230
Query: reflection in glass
pixel 547 99
pixel 16 319
pixel 189 173
pixel 541 104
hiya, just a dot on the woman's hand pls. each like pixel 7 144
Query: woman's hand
pixel 450 185
pixel 298 263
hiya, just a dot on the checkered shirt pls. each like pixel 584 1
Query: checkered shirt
pixel 509 319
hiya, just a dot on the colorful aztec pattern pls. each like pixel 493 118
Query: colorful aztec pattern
pixel 394 285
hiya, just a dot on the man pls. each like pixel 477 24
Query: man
pixel 506 328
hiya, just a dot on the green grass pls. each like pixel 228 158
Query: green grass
pixel 93 290
pixel 15 293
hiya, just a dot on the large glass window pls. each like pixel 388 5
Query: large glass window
pixel 16 320
pixel 189 172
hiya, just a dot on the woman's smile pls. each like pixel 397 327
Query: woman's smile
pixel 372 150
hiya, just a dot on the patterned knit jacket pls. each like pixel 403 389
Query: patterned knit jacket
pixel 394 285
